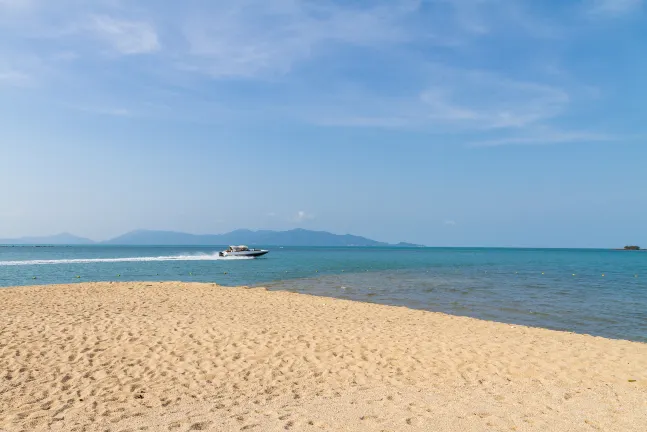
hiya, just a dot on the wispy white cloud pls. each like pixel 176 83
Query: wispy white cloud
pixel 29 70
pixel 125 37
pixel 13 77
pixel 303 216
pixel 250 38
pixel 269 44
pixel 109 111
pixel 480 99
pixel 606 8
pixel 473 19
pixel 544 137
pixel 256 38
pixel 449 222
pixel 453 100
pixel 15 4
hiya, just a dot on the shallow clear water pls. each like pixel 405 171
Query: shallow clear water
pixel 557 289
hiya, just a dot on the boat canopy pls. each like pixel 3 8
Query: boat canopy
pixel 241 248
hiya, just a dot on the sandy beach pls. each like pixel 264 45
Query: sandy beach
pixel 177 356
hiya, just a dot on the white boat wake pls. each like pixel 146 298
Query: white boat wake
pixel 201 257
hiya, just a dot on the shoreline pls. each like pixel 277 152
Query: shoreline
pixel 553 312
pixel 365 301
pixel 177 355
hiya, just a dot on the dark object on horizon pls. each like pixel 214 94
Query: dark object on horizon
pixel 632 247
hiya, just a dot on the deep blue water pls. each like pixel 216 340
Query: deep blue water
pixel 558 289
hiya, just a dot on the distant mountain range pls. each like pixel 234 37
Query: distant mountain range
pixel 58 239
pixel 295 237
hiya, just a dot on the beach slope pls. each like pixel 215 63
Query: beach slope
pixel 181 356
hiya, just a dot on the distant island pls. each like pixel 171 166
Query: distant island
pixel 295 237
pixel 58 239
pixel 631 248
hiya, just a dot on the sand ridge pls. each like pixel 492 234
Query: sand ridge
pixel 186 356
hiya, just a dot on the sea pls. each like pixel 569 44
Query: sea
pixel 596 292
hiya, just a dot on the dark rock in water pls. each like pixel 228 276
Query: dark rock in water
pixel 632 248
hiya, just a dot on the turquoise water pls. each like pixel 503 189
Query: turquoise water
pixel 557 289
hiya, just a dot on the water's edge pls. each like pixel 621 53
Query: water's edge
pixel 596 292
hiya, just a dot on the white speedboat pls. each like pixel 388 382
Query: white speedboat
pixel 242 251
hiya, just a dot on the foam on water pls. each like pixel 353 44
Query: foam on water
pixel 197 257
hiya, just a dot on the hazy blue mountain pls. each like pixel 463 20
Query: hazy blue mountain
pixel 295 237
pixel 58 239
pixel 146 237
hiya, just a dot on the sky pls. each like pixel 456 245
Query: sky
pixel 441 122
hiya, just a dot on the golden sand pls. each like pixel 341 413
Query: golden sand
pixel 181 357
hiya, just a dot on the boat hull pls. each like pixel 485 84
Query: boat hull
pixel 251 253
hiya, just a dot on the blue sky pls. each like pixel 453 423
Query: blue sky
pixel 445 122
